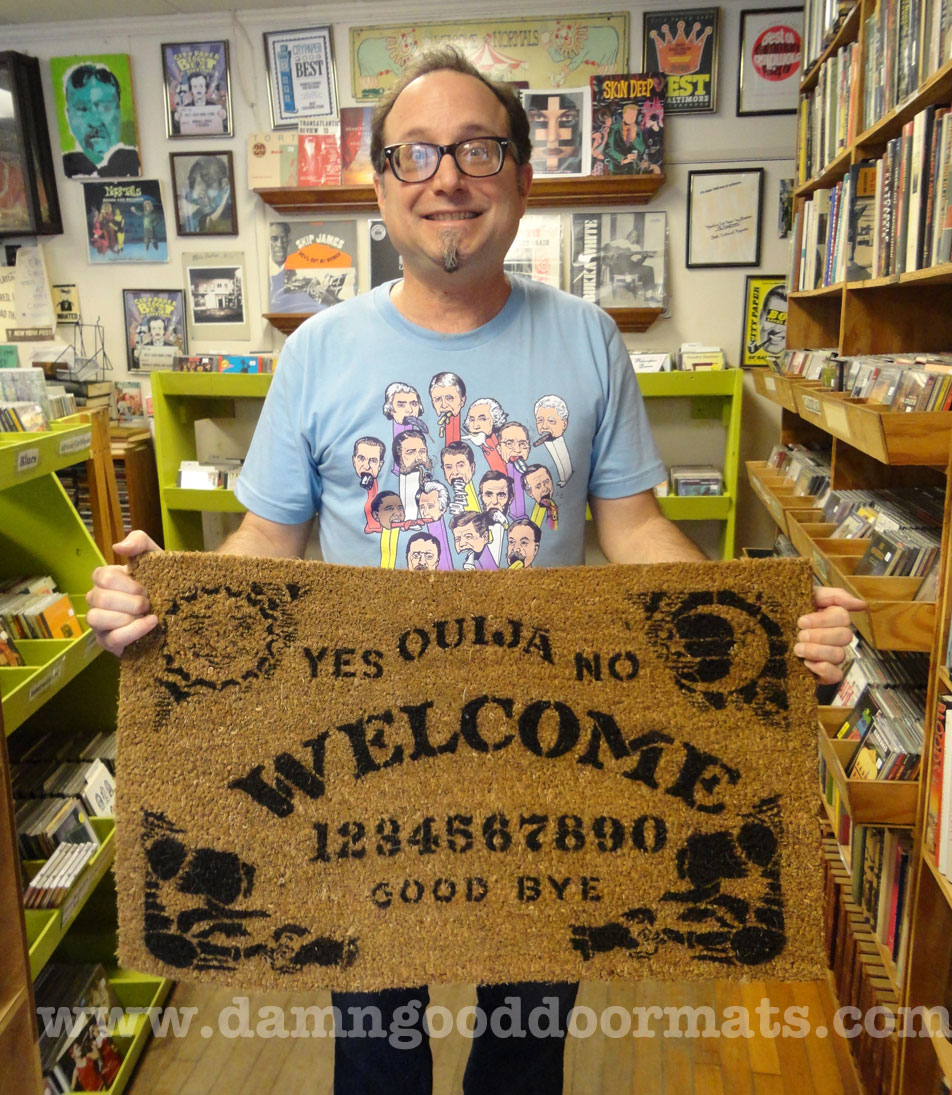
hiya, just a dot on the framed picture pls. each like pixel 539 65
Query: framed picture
pixel 301 78
pixel 312 264
pixel 215 291
pixel 771 61
pixel 203 184
pixel 155 327
pixel 560 126
pixel 96 116
pixel 197 89
pixel 765 320
pixel 125 221
pixel 724 217
pixel 28 201
pixel 683 44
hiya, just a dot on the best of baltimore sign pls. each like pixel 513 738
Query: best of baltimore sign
pixel 349 778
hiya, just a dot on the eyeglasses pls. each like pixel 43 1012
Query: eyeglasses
pixel 418 161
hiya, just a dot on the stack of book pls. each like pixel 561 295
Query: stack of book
pixel 829 113
pixel 224 363
pixel 33 608
pixel 821 20
pixel 217 471
pixel 807 365
pixel 695 479
pixel 22 417
pixel 82 1055
pixel 867 666
pixel 62 401
pixel 937 836
pixel 89 393
pixel 885 724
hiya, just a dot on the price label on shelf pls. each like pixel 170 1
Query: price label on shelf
pixel 770 384
pixel 821 566
pixel 46 679
pixel 74 444
pixel 812 405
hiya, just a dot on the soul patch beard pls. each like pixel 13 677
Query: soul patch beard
pixel 449 241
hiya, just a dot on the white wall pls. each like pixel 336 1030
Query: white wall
pixel 706 305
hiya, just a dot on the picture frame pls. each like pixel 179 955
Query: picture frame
pixel 302 82
pixel 724 215
pixel 197 82
pixel 688 61
pixel 148 346
pixel 764 337
pixel 125 222
pixel 29 204
pixel 203 188
pixel 215 295
pixel 768 76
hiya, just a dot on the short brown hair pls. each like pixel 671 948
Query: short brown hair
pixel 449 59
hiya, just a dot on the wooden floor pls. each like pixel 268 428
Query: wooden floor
pixel 598 1065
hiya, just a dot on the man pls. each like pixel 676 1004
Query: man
pixel 459 466
pixel 423 552
pixel 537 482
pixel 450 152
pixel 448 395
pixel 206 204
pixel 495 498
pixel 387 510
pixel 514 448
pixel 433 503
pixel 522 545
pixel 471 538
pixel 201 115
pixel 367 459
pixel 413 465
pixel 552 420
pixel 484 417
pixel 94 114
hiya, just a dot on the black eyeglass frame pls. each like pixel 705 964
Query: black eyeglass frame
pixel 450 149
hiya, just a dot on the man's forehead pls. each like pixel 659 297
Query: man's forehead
pixel 423 103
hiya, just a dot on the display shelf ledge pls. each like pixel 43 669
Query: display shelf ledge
pixel 712 507
pixel 28 456
pixel 224 385
pixel 217 500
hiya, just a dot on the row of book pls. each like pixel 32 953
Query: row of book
pixel 860 977
pixel 866 666
pixel 34 608
pixel 821 20
pixel 83 1055
pixel 885 725
pixel 22 417
pixel 807 469
pixel 881 862
pixel 224 363
pixel 829 113
pixel 904 43
pixel 89 777
pixel 937 835
pixel 49 887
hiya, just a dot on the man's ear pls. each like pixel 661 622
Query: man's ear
pixel 524 179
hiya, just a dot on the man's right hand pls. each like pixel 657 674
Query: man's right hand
pixel 119 609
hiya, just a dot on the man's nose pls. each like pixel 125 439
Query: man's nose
pixel 448 175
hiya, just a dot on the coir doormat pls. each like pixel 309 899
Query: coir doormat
pixel 356 778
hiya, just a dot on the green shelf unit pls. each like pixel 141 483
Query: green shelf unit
pixel 25 457
pixel 180 400
pixel 713 394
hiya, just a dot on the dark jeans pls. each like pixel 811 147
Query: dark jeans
pixel 498 1064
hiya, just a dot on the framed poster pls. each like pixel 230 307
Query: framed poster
pixel 96 116
pixel 618 259
pixel 560 127
pixel 203 184
pixel 301 78
pixel 215 290
pixel 197 89
pixel 125 221
pixel 688 60
pixel 765 320
pixel 28 200
pixel 724 217
pixel 155 327
pixel 771 61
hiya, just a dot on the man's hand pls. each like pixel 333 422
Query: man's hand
pixel 119 609
pixel 825 634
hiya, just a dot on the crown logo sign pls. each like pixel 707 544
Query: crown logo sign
pixel 680 55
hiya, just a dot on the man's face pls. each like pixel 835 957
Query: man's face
pixel 423 555
pixel 538 484
pixel 279 238
pixel 474 219
pixel 405 403
pixel 548 421
pixel 773 326
pixel 413 454
pixel 446 400
pixel 494 494
pixel 467 537
pixel 156 332
pixel 555 131
pixel 457 466
pixel 390 512
pixel 367 461
pixel 198 86
pixel 513 444
pixel 94 117
pixel 429 507
pixel 206 193
pixel 522 545
pixel 479 419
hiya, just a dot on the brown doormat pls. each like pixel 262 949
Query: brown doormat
pixel 356 778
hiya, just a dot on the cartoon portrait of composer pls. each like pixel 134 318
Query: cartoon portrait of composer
pixel 94 115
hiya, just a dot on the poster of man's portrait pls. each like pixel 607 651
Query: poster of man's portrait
pixel 155 327
pixel 197 90
pixel 204 187
pixel 765 320
pixel 560 128
pixel 95 113
pixel 683 44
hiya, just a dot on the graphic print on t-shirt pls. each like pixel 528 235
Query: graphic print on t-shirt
pixel 474 492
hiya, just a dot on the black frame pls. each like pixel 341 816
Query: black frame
pixel 218 154
pixel 672 15
pixel 755 261
pixel 740 61
pixel 25 138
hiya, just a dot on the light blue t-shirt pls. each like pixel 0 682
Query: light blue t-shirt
pixel 540 409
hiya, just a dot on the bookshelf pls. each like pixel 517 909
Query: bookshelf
pixel 65 683
pixel 873 447
pixel 610 191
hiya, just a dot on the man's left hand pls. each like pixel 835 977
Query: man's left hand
pixel 825 634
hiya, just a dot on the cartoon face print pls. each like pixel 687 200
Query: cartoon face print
pixel 552 416
pixel 523 542
pixel 458 465
pixel 388 509
pixel 402 402
pixel 514 442
pixel 538 484
pixel 495 492
pixel 470 535
pixel 447 395
pixel 368 459
pixel 479 420
pixel 423 552
pixel 410 453
pixel 432 504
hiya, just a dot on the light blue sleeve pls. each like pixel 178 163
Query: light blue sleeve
pixel 624 458
pixel 279 479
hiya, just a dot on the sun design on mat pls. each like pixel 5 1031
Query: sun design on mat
pixel 217 637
